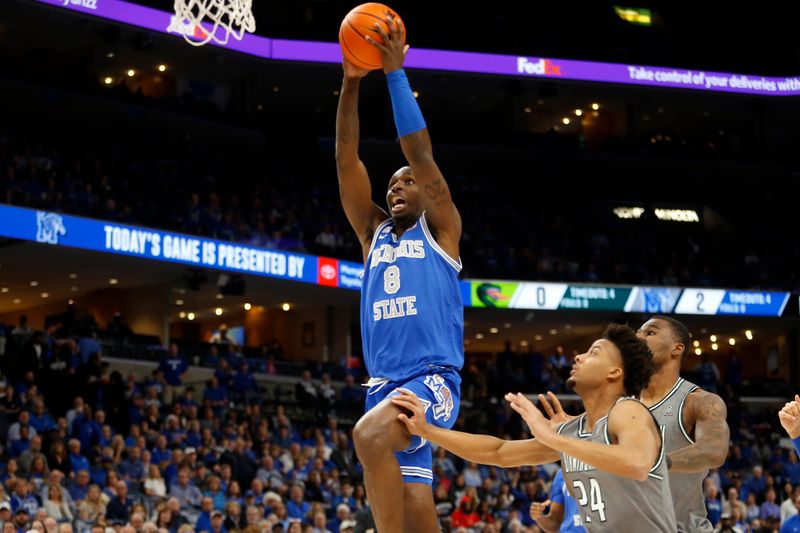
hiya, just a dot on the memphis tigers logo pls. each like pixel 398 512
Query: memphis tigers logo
pixel 444 398
pixel 49 226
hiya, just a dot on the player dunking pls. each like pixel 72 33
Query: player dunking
pixel 696 433
pixel 612 456
pixel 411 309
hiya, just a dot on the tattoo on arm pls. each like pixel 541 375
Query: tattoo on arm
pixel 712 437
pixel 437 192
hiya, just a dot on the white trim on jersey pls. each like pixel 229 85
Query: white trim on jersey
pixel 661 451
pixel 668 395
pixel 680 416
pixel 582 433
pixel 435 245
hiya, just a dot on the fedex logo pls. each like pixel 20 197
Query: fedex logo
pixel 542 67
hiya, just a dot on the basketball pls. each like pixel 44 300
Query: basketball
pixel 359 23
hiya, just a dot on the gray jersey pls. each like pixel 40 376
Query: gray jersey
pixel 687 489
pixel 613 503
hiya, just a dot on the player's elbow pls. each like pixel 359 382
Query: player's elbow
pixel 418 154
pixel 639 468
pixel 640 473
pixel 718 457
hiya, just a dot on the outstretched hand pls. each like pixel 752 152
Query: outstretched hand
pixel 393 50
pixel 552 408
pixel 790 417
pixel 540 427
pixel 416 423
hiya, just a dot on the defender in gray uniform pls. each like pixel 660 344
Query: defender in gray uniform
pixel 693 421
pixel 612 457
pixel 606 499
pixel 696 434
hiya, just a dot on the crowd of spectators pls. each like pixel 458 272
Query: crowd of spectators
pixel 88 449
pixel 288 200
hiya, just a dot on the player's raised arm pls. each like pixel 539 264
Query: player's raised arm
pixel 354 186
pixel 481 449
pixel 632 456
pixel 415 142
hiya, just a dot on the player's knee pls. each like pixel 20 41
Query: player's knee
pixel 377 435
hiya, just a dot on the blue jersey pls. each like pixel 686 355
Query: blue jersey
pixel 412 314
pixel 571 523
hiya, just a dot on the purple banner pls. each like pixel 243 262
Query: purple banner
pixel 505 65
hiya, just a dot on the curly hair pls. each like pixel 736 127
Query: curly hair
pixel 637 361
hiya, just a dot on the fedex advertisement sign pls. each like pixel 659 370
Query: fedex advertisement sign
pixel 539 67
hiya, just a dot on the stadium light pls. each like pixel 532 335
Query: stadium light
pixel 182 314
pixel 696 344
pixel 565 121
pixel 218 311
pixel 595 107
pixel 732 341
pixel 4 289
pixel 131 73
pixel 162 68
pixel 749 335
pixel 479 336
pixel 493 330
pixel 578 112
pixel 713 338
pixel 247 306
pixel 715 346
pixel 698 351
pixel 286 307
pixel 108 80
pixel 190 316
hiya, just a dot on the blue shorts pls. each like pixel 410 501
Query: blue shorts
pixel 440 393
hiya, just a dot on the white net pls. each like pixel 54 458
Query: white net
pixel 222 18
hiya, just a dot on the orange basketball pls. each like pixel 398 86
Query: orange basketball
pixel 359 23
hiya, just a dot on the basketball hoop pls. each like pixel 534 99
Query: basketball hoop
pixel 225 18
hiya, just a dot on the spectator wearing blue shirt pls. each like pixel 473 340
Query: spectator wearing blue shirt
pixel 217 525
pixel 132 467
pixel 713 503
pixel 91 431
pixel 80 487
pixel 23 498
pixel 215 492
pixel 757 483
pixel 87 346
pixel 76 459
pixel 187 494
pixel 224 372
pixel 791 469
pixel 175 434
pixel 296 507
pixel 244 384
pixel 171 471
pixel 174 367
pixel 41 419
pixel 216 394
pixel 160 454
pixel 187 401
pixel 19 446
pixel 204 518
pixel 770 509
